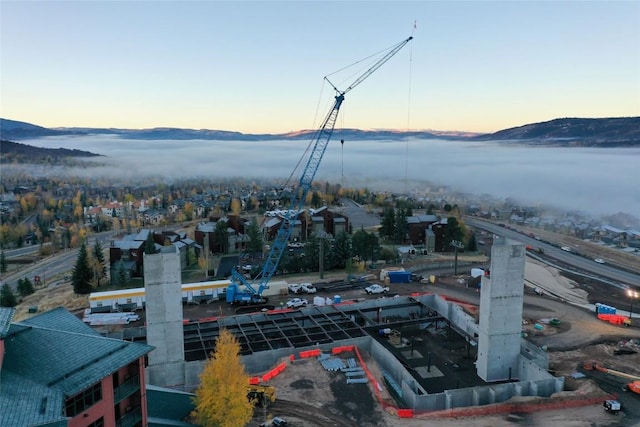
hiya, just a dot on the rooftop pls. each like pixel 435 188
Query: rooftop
pixel 51 357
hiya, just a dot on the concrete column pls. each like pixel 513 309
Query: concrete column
pixel 163 290
pixel 500 323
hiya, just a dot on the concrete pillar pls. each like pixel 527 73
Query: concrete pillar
pixel 163 290
pixel 500 323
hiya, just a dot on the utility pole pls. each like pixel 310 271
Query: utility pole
pixel 456 245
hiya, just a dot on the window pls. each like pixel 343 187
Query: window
pixel 83 400
pixel 97 423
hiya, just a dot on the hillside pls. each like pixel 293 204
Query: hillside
pixel 600 132
pixel 14 152
pixel 619 131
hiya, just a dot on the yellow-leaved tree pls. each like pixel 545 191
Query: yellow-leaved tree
pixel 221 399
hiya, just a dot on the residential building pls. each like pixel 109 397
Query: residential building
pixel 57 371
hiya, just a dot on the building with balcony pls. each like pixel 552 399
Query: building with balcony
pixel 57 371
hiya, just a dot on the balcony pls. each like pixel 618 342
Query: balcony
pixel 126 389
pixel 130 419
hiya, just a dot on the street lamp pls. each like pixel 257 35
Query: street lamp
pixel 633 295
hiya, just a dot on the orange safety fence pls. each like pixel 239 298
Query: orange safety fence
pixel 310 353
pixel 497 408
pixel 338 350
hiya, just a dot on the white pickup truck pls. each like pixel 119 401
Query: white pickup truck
pixel 376 289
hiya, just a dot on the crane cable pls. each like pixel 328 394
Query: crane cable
pixel 406 164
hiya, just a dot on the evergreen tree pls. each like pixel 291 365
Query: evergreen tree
pixel 401 225
pixel 99 265
pixel 150 245
pixel 7 297
pixel 3 263
pixel 388 228
pixel 223 380
pixel 221 236
pixel 255 237
pixel 472 244
pixel 25 287
pixel 342 250
pixel 316 200
pixel 122 274
pixel 452 232
pixel 366 245
pixel 82 274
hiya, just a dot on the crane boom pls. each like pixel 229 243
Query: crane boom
pixel 299 195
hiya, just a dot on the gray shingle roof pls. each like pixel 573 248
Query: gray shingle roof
pixel 55 355
pixel 6 314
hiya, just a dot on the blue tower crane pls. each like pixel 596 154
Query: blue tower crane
pixel 251 294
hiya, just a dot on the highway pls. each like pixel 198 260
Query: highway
pixel 616 276
pixel 55 266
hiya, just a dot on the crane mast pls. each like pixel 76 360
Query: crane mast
pixel 299 195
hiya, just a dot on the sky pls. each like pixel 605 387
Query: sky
pixel 258 66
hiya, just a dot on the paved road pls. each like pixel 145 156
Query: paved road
pixel 621 277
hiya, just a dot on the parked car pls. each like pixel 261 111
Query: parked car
pixel 599 260
pixel 376 289
pixel 297 302
pixel 278 422
pixel 307 288
pixel 294 288
pixel 566 248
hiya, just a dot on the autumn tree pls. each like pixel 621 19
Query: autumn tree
pixel 223 380
pixel 236 206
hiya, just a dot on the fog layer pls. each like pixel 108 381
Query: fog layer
pixel 593 180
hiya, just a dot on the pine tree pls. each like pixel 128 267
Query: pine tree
pixel 25 287
pixel 223 380
pixel 7 297
pixel 150 245
pixel 3 263
pixel 99 265
pixel 122 274
pixel 255 238
pixel 82 274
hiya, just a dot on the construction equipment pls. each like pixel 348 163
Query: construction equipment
pixel 251 294
pixel 633 386
pixel 612 406
pixel 261 394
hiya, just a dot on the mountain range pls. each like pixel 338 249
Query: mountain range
pixel 610 132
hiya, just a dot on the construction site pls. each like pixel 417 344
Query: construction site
pixel 433 356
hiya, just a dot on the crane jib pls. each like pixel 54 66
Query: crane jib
pixel 298 197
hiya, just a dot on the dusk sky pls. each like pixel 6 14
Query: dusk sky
pixel 258 67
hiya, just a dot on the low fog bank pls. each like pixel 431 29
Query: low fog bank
pixel 598 181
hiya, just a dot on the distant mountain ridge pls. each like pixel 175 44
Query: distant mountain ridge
pixel 614 131
pixel 618 131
